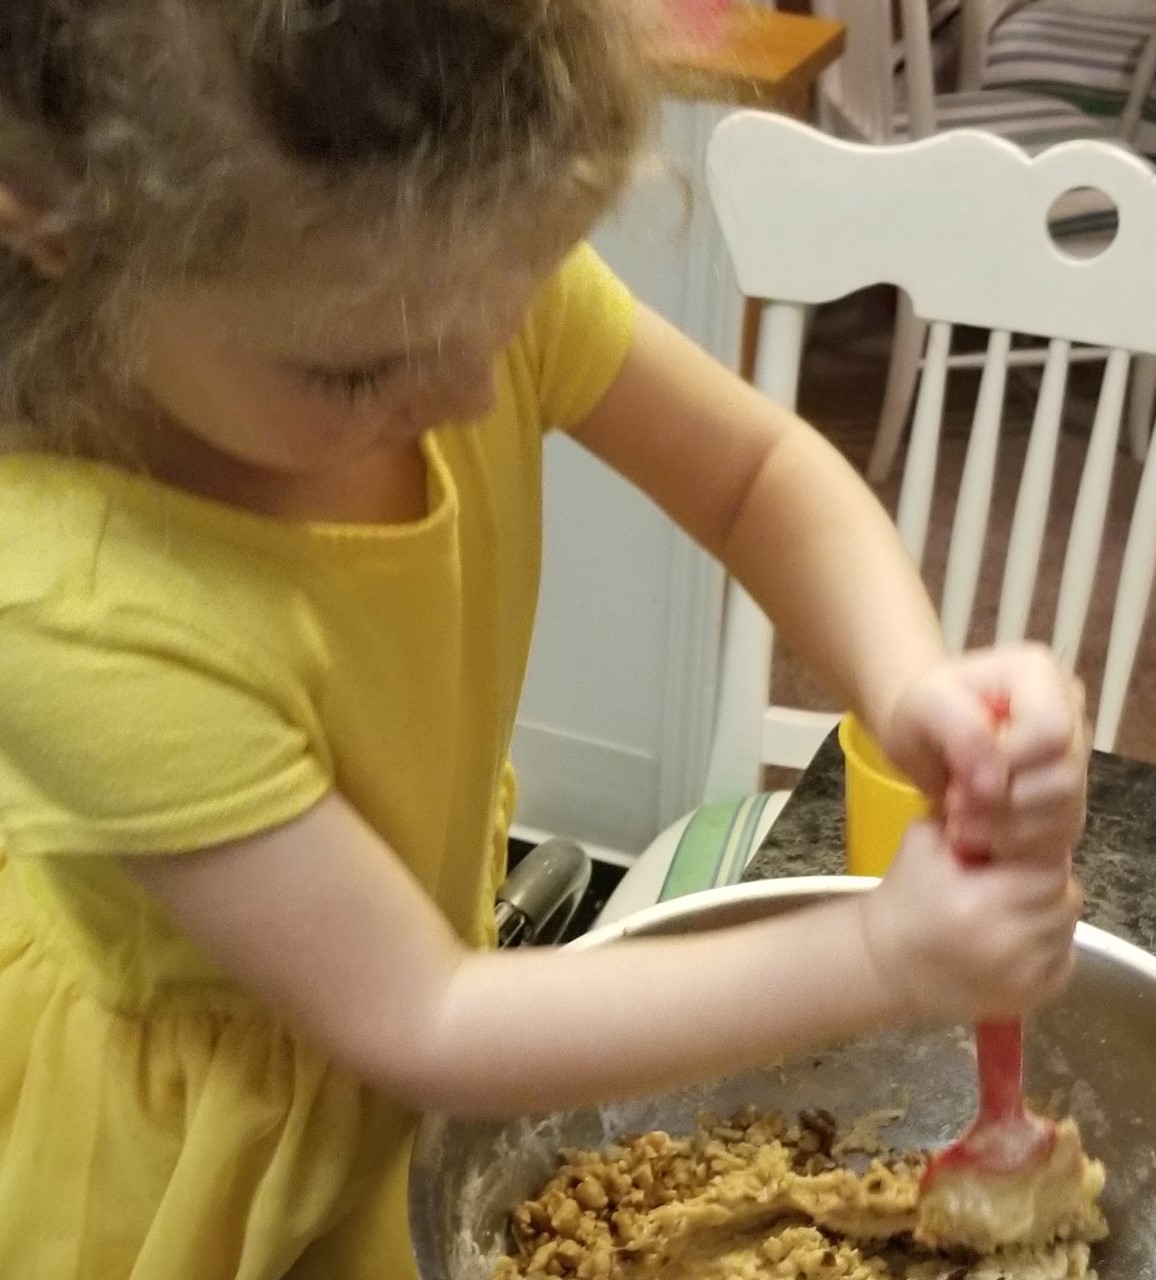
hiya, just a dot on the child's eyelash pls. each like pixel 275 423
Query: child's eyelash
pixel 351 384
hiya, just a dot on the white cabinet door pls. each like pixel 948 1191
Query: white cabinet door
pixel 615 721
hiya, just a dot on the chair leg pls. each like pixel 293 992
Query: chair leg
pixel 1142 405
pixel 902 376
pixel 973 19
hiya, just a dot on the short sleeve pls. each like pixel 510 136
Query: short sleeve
pixel 583 325
pixel 124 735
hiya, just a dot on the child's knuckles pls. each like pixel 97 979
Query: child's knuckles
pixel 992 903
pixel 922 839
pixel 967 915
pixel 1042 655
pixel 1072 781
pixel 1056 977
pixel 1078 692
pixel 1077 901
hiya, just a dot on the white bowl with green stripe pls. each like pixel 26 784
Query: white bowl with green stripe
pixel 704 850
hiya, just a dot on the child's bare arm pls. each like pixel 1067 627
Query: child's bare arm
pixel 322 921
pixel 781 508
pixel 794 523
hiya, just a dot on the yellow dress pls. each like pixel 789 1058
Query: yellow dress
pixel 175 673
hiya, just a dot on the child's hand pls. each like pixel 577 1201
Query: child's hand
pixel 959 944
pixel 1019 789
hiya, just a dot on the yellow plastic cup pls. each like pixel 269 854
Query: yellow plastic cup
pixel 881 802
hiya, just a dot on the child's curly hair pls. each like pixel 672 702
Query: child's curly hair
pixel 154 132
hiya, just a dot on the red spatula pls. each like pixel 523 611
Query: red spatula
pixel 1014 1177
pixel 1005 1136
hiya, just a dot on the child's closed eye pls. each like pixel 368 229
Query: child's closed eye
pixel 355 383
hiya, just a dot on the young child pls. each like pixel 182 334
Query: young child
pixel 289 292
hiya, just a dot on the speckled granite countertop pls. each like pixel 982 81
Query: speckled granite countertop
pixel 1117 859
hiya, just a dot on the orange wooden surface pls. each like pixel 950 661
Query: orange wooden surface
pixel 769 59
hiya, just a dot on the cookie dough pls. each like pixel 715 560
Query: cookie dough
pixel 758 1198
pixel 984 1211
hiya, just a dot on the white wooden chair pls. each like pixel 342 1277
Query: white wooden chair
pixel 959 222
pixel 861 101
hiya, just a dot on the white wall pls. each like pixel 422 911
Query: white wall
pixel 614 725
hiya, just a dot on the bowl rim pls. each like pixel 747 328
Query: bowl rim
pixel 781 889
pixel 1089 937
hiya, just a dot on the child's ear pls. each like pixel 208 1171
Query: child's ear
pixel 25 229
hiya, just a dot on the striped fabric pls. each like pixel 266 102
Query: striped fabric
pixel 1086 58
pixel 715 847
pixel 1031 121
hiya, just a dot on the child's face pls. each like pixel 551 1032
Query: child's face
pixel 309 376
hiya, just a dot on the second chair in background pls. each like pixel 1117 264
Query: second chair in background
pixel 1100 61
pixel 864 99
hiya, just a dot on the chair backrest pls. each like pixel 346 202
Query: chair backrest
pixel 959 222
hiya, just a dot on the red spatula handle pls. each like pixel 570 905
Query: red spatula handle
pixel 999 1049
pixel 999 1046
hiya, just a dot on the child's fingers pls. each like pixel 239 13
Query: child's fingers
pixel 1047 716
pixel 1077 901
pixel 1060 782
pixel 1039 836
pixel 1041 832
pixel 1043 808
pixel 1044 837
pixel 1059 947
pixel 1046 701
pixel 1055 977
pixel 1055 808
pixel 1043 889
pixel 958 727
pixel 924 840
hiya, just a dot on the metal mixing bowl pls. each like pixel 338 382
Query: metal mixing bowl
pixel 1098 1045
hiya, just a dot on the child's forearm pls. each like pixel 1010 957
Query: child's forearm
pixel 322 921
pixel 808 519
pixel 535 1031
